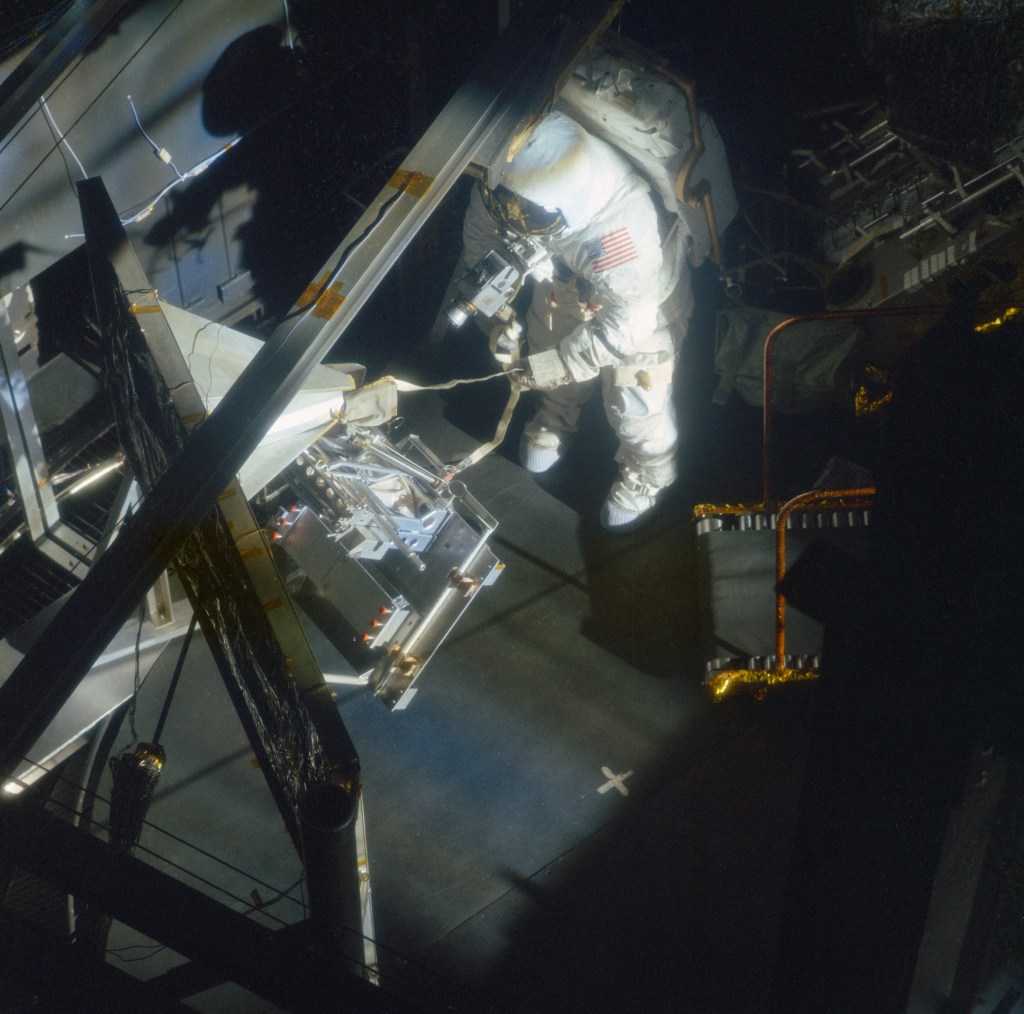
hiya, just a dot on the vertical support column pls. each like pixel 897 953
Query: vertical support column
pixel 31 473
pixel 327 816
pixel 27 459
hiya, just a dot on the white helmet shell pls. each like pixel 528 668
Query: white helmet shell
pixel 563 168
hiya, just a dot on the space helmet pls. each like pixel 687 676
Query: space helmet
pixel 556 181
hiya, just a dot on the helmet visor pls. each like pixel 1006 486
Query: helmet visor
pixel 523 217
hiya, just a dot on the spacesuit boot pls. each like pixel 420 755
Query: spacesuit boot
pixel 541 453
pixel 554 427
pixel 627 506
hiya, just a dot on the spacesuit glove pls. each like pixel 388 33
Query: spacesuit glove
pixel 543 371
pixel 504 341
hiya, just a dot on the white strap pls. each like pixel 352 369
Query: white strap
pixel 499 435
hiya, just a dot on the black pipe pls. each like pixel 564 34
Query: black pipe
pixel 327 815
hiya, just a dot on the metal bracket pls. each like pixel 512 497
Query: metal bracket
pixel 62 545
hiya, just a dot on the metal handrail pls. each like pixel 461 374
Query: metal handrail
pixel 855 498
pixel 769 369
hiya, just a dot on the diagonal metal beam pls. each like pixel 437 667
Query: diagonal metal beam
pixel 282 968
pixel 476 124
pixel 226 565
pixel 81 23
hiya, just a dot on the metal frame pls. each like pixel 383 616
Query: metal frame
pixel 500 102
pixel 475 125
pixel 51 536
pixel 284 966
pixel 855 498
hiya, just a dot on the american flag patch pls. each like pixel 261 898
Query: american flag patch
pixel 611 251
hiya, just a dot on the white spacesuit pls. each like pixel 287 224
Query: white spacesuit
pixel 616 308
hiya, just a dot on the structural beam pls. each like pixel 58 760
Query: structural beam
pixel 82 22
pixel 476 124
pixel 278 966
pixel 226 565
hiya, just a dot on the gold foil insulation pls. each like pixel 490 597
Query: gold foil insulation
pixel 711 510
pixel 999 321
pixel 149 755
pixel 722 683
pixel 874 392
pixel 758 680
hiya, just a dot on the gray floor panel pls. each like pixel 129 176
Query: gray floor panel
pixel 545 821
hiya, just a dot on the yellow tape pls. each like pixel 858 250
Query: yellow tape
pixel 999 321
pixel 415 184
pixel 329 302
pixel 309 293
pixel 325 298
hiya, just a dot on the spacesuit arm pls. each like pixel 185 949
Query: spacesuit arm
pixel 612 335
pixel 480 232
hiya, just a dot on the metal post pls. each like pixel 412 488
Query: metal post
pixel 327 815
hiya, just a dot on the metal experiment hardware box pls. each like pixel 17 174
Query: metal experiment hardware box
pixel 387 554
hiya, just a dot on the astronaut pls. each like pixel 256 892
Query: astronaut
pixel 615 309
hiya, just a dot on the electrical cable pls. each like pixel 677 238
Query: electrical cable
pixel 344 256
pixel 171 863
pixel 148 205
pixel 209 362
pixel 156 948
pixel 61 137
pixel 174 679
pixel 156 827
pixel 195 171
pixel 60 151
pixel 199 167
pixel 280 895
pixel 161 153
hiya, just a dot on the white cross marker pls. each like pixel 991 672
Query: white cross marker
pixel 614 781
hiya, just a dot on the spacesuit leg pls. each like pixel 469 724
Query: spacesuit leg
pixel 639 405
pixel 554 312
